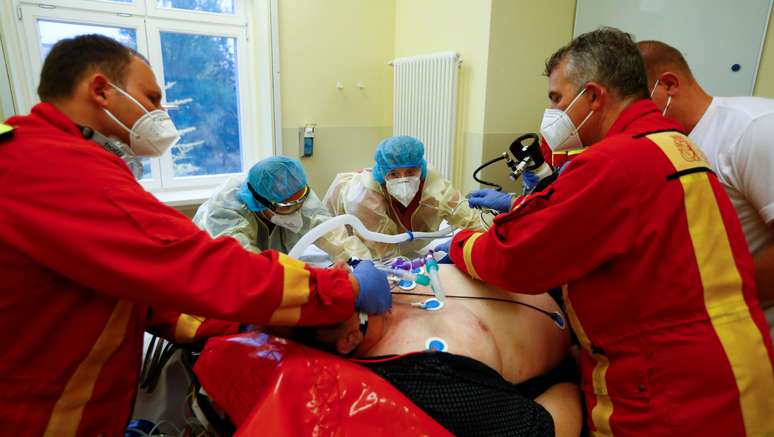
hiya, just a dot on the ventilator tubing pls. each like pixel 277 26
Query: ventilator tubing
pixel 349 219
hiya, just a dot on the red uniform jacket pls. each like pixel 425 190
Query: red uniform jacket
pixel 557 159
pixel 84 252
pixel 659 283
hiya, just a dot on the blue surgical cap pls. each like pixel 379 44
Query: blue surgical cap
pixel 398 152
pixel 276 178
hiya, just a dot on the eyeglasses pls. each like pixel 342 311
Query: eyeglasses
pixel 281 208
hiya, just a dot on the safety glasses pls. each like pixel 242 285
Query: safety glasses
pixel 281 208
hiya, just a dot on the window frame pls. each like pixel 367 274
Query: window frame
pixel 239 18
pixel 252 25
pixel 7 103
pixel 136 7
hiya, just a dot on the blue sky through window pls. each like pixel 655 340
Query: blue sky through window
pixel 200 72
pixel 216 6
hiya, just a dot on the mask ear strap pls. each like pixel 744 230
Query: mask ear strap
pixel 575 99
pixel 113 117
pixel 653 91
pixel 128 96
pixel 584 121
pixel 669 101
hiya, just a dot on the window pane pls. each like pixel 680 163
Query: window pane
pixel 200 72
pixel 146 169
pixel 217 6
pixel 53 31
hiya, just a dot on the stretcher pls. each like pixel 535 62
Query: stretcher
pixel 270 386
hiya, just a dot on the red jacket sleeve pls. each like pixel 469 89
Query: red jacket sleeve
pixel 77 210
pixel 185 328
pixel 557 235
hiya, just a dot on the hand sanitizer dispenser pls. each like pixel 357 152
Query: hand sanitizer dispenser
pixel 307 140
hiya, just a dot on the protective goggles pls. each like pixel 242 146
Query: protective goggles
pixel 281 208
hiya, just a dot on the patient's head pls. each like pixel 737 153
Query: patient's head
pixel 343 338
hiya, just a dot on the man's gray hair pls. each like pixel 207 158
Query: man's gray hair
pixel 607 56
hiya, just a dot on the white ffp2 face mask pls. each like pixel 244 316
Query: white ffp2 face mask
pixel 152 134
pixel 292 222
pixel 559 131
pixel 403 189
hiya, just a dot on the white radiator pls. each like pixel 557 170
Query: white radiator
pixel 425 104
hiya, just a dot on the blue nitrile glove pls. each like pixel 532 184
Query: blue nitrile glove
pixel 444 247
pixel 374 296
pixel 529 180
pixel 492 199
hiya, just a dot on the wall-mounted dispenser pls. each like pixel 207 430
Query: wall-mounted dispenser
pixel 306 140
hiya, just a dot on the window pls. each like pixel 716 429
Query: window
pixel 200 54
pixel 207 97
pixel 53 31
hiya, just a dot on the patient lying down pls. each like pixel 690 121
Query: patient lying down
pixel 502 368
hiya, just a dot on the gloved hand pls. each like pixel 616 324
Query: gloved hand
pixel 529 180
pixel 374 296
pixel 492 199
pixel 444 247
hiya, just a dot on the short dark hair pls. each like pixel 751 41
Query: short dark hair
pixel 607 56
pixel 70 59
pixel 659 57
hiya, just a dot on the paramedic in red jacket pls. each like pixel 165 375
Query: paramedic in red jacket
pixel 85 252
pixel 657 277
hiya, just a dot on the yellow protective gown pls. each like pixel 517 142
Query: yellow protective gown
pixel 360 195
pixel 225 214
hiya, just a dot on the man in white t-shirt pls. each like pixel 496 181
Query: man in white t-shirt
pixel 737 135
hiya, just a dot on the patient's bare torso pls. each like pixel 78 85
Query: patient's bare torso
pixel 518 342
